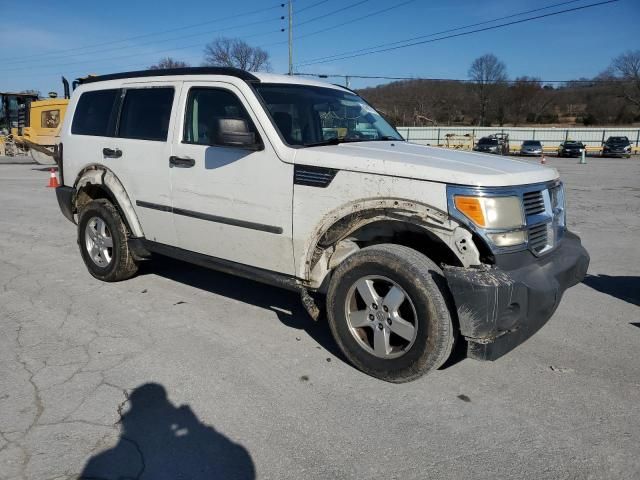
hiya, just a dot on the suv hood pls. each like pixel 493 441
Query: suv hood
pixel 409 160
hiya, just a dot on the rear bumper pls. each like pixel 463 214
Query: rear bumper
pixel 65 201
pixel 502 306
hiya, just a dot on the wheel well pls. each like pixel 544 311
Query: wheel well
pixel 90 192
pixel 407 234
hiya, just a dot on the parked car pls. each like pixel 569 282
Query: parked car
pixel 497 143
pixel 407 247
pixel 570 148
pixel 616 147
pixel 531 148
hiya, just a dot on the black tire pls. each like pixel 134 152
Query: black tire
pixel 424 283
pixel 121 265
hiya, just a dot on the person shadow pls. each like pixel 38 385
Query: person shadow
pixel 626 288
pixel 161 441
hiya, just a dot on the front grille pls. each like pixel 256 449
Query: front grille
pixel 538 238
pixel 533 203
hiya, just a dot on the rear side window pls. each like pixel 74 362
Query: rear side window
pixel 146 113
pixel 95 113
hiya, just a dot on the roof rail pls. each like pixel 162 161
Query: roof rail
pixel 233 72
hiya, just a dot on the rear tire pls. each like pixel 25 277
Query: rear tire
pixel 102 238
pixel 417 328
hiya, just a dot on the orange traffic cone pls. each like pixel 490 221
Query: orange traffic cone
pixel 543 160
pixel 53 179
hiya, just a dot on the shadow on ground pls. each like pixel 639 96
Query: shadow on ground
pixel 163 442
pixel 625 288
pixel 286 304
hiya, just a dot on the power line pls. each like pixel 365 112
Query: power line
pixel 345 55
pixel 155 52
pixel 160 32
pixel 311 6
pixel 362 17
pixel 233 27
pixel 464 80
pixel 447 31
pixel 324 15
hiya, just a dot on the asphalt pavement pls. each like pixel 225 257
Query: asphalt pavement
pixel 185 373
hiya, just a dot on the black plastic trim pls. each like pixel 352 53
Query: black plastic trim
pixel 232 72
pixel 211 218
pixel 65 197
pixel 227 266
pixel 501 307
pixel 312 176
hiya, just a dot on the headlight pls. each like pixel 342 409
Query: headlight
pixel 491 212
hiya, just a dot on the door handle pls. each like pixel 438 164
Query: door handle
pixel 112 152
pixel 180 162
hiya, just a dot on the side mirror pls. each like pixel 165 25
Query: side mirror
pixel 234 132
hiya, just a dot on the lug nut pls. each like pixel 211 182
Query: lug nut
pixel 380 326
pixel 388 321
pixel 371 317
pixel 374 306
pixel 385 308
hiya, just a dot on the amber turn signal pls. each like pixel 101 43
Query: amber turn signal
pixel 471 208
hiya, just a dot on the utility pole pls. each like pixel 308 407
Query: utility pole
pixel 290 37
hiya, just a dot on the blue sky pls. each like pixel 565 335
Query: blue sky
pixel 36 49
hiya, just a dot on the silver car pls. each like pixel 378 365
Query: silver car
pixel 531 147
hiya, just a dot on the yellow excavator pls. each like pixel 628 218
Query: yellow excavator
pixel 32 125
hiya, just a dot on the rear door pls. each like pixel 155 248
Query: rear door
pixel 229 202
pixel 139 153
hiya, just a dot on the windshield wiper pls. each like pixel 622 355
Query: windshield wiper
pixel 333 141
pixel 385 138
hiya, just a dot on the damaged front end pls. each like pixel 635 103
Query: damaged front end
pixel 501 306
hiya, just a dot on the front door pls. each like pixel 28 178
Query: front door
pixel 229 202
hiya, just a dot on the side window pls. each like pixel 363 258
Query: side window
pixel 146 113
pixel 207 105
pixel 95 113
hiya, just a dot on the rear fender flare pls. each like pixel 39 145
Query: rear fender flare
pixel 99 175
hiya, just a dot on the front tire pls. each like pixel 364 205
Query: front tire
pixel 102 238
pixel 388 310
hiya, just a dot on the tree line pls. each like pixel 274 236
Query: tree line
pixel 489 98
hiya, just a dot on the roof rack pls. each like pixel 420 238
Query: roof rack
pixel 233 72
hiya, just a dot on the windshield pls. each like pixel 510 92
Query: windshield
pixel 307 115
pixel 618 140
pixel 487 141
pixel 531 143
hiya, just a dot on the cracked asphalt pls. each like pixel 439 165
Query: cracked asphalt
pixel 182 373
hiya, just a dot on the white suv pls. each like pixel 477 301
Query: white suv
pixel 304 185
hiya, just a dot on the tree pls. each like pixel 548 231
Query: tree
pixel 233 52
pixel 168 62
pixel 627 68
pixel 488 73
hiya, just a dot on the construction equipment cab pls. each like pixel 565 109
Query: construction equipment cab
pixel 304 185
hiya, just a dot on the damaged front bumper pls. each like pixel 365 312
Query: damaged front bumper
pixel 499 307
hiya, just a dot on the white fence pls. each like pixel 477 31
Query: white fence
pixel 549 137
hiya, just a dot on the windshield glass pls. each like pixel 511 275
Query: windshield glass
pixel 307 115
pixel 487 141
pixel 531 143
pixel 618 140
